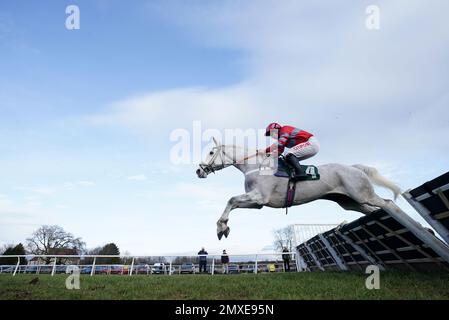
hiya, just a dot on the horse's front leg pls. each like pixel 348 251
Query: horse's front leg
pixel 248 200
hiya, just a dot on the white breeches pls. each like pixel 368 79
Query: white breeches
pixel 306 149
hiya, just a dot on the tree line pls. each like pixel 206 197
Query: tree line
pixel 54 240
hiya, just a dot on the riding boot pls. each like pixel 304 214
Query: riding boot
pixel 294 162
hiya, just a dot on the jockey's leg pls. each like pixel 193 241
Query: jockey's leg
pixel 301 152
pixel 293 161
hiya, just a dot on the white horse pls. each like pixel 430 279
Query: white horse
pixel 349 186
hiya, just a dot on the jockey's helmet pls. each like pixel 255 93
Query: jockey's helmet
pixel 272 126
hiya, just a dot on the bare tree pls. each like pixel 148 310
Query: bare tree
pixel 48 239
pixel 6 247
pixel 126 260
pixel 181 260
pixel 284 238
pixel 94 251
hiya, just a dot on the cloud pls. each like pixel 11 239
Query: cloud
pixel 40 190
pixel 207 195
pixel 369 96
pixel 53 189
pixel 195 191
pixel 86 183
pixel 151 112
pixel 139 177
pixel 379 98
pixel 19 220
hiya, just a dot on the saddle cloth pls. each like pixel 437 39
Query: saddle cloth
pixel 284 170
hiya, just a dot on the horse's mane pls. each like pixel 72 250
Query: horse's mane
pixel 242 150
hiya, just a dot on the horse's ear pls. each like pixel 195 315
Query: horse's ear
pixel 215 141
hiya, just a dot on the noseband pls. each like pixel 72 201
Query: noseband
pixel 209 167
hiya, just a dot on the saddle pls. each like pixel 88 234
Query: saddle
pixel 284 170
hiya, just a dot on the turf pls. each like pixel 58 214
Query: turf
pixel 317 285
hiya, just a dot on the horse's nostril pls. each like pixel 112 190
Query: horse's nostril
pixel 198 171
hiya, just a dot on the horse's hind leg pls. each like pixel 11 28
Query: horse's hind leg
pixel 348 203
pixel 251 200
pixel 353 206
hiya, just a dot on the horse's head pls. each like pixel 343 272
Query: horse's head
pixel 216 159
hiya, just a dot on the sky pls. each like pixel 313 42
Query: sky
pixel 86 115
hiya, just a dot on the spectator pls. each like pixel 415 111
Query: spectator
pixel 203 259
pixel 225 261
pixel 286 258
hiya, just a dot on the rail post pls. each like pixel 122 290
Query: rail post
pixel 255 266
pixel 54 267
pixel 170 271
pixel 132 267
pixel 93 267
pixel 17 266
pixel 296 261
pixel 213 267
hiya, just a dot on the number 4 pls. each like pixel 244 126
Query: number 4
pixel 310 170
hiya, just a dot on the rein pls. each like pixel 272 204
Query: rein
pixel 209 167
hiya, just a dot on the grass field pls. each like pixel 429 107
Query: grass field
pixel 326 285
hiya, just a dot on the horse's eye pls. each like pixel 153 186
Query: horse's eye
pixel 211 153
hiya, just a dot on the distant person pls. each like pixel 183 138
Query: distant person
pixel 203 259
pixel 225 261
pixel 286 258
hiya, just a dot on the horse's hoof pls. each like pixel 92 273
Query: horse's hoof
pixel 220 235
pixel 226 232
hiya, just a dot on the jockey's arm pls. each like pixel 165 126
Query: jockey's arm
pixel 275 148
pixel 268 151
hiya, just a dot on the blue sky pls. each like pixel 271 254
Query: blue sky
pixel 85 115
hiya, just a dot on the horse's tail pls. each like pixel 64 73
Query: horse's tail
pixel 379 180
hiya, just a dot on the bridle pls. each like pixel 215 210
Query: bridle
pixel 216 152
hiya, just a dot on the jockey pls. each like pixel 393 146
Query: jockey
pixel 302 145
